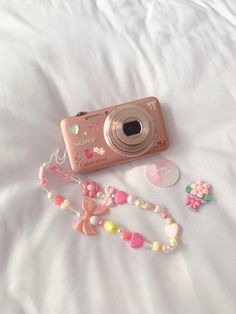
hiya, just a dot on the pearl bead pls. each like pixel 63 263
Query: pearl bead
pixel 156 246
pixel 167 248
pixel 94 220
pixel 158 209
pixel 131 199
pixel 138 202
pixel 79 214
pixel 169 221
pixel 90 187
pixel 173 242
pixel 99 194
pixel 51 194
pixel 65 204
pixel 149 206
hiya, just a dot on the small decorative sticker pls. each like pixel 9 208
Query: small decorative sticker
pixel 99 151
pixel 73 129
pixel 88 153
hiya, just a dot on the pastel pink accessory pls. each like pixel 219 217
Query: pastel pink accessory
pixel 198 193
pixel 90 215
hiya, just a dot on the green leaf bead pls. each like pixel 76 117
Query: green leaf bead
pixel 207 197
pixel 188 189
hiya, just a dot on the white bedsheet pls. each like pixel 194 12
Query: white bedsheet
pixel 61 57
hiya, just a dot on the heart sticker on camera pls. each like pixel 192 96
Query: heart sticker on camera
pixel 73 129
pixel 88 153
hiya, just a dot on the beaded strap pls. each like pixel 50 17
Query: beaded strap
pixel 90 216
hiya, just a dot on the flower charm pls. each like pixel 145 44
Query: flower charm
pixel 86 224
pixel 192 202
pixel 99 151
pixel 198 193
pixel 199 188
pixel 90 188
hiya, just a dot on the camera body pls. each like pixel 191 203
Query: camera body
pixel 114 135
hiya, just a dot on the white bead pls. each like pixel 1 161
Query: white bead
pixel 158 209
pixel 90 187
pixel 139 202
pixel 99 194
pixel 148 206
pixel 94 220
pixel 131 199
pixel 66 204
pixel 51 194
pixel 78 214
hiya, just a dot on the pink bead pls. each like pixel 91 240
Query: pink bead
pixel 120 197
pixel 58 200
pixel 136 240
pixel 164 215
pixel 126 235
pixel 42 182
pixel 101 223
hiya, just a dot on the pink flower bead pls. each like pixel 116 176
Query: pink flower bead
pixel 199 188
pixel 90 188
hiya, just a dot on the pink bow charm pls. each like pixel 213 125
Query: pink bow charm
pixel 109 196
pixel 90 209
pixel 194 203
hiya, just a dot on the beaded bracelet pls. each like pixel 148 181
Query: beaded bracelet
pixel 90 217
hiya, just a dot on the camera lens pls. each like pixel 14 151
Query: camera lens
pixel 129 130
pixel 132 127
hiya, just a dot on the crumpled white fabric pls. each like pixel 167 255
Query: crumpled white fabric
pixel 61 57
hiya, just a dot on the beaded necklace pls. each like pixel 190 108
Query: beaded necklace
pixel 90 216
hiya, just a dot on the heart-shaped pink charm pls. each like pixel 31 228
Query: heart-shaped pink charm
pixel 136 240
pixel 172 230
pixel 88 153
pixel 120 197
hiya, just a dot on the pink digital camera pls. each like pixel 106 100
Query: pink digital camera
pixel 114 135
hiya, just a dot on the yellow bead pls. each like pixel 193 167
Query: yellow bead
pixel 110 226
pixel 169 221
pixel 65 204
pixel 156 246
pixel 173 241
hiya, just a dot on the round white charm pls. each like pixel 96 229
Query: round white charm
pixel 94 220
pixel 162 173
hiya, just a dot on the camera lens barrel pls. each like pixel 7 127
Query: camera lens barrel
pixel 130 130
